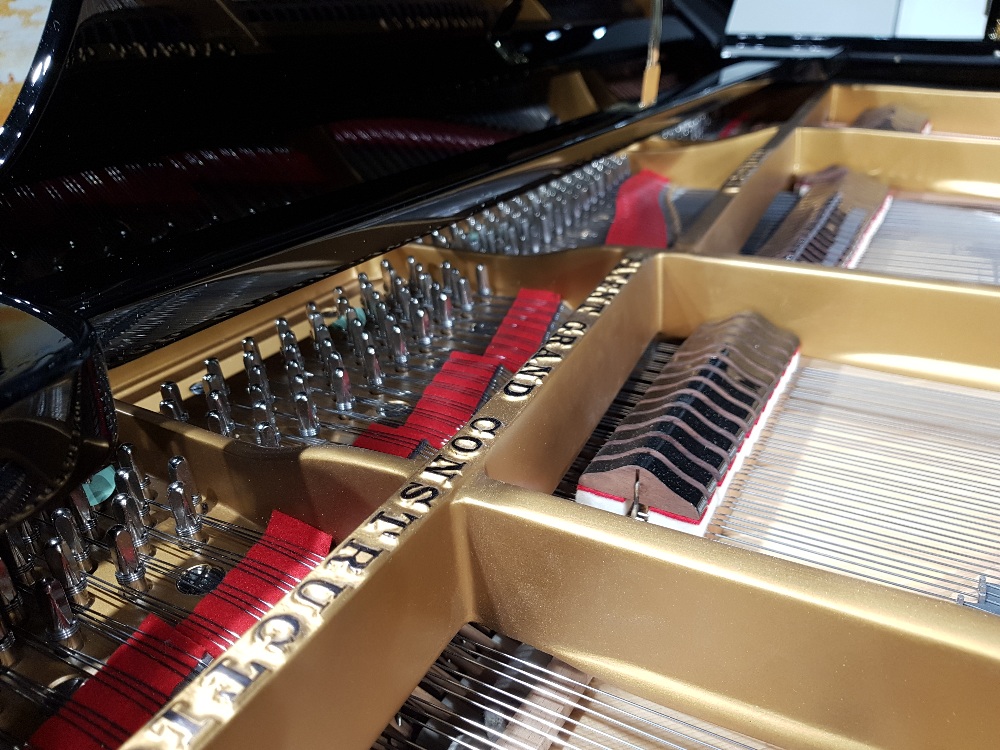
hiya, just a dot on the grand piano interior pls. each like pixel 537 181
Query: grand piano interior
pixel 373 349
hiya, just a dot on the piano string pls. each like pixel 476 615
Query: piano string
pixel 114 611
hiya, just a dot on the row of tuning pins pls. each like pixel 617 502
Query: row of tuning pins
pixel 54 554
pixel 565 212
pixel 407 316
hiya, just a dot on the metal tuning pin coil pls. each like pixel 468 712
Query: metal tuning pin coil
pixel 62 627
pixel 129 569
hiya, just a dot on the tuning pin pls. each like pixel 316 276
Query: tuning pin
pixel 19 557
pixel 414 308
pixel 179 470
pixel 66 569
pixel 129 570
pixel 8 652
pixel 219 425
pixel 257 379
pixel 30 538
pixel 483 281
pixel 214 379
pixel 220 417
pixel 315 318
pixel 443 311
pixel 305 412
pixel 251 354
pixel 266 435
pixel 298 384
pixel 397 347
pixel 171 410
pixel 414 275
pixel 461 239
pixel 438 238
pixel 126 459
pixel 403 301
pixel 62 627
pixel 66 528
pixel 11 603
pixel 356 329
pixel 464 296
pixel 82 511
pixel 261 414
pixel 340 384
pixel 282 325
pixel 125 511
pixel 126 482
pixel 535 235
pixel 372 370
pixel 453 283
pixel 422 329
pixel 545 229
pixel 292 354
pixel 321 336
pixel 293 370
pixel 388 277
pixel 426 286
pixel 172 405
pixel 187 520
pixel 329 356
pixel 371 298
pixel 381 316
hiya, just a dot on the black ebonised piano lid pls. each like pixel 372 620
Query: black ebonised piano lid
pixel 163 142
pixel 160 143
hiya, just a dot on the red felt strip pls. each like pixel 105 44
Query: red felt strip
pixel 136 681
pixel 445 405
pixel 143 673
pixel 452 396
pixel 268 571
pixel 639 220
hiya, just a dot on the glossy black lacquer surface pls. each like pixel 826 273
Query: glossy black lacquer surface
pixel 57 418
pixel 184 138
pixel 168 142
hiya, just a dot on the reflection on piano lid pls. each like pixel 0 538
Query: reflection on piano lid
pixel 122 198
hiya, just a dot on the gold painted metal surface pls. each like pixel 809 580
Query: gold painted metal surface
pixel 799 657
pixel 957 166
pixel 735 213
pixel 796 657
pixel 138 382
pixel 950 112
pixel 333 490
pixel 953 169
pixel 697 165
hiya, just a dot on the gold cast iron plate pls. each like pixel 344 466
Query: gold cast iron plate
pixel 792 655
